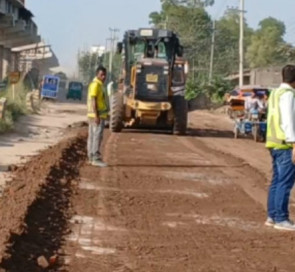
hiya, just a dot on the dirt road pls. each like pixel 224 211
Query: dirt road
pixel 165 203
pixel 33 133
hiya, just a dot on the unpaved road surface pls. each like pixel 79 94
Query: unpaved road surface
pixel 34 133
pixel 165 203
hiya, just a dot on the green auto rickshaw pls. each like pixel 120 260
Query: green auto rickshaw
pixel 75 90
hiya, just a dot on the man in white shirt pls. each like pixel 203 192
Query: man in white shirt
pixel 281 143
pixel 110 88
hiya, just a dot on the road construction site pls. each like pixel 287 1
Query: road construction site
pixel 164 203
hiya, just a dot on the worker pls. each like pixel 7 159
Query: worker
pixel 281 143
pixel 256 103
pixel 97 114
pixel 150 51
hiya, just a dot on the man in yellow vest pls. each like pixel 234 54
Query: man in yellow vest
pixel 281 143
pixel 97 114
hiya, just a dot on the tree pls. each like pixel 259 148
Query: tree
pixel 190 20
pixel 263 50
pixel 192 23
pixel 190 3
pixel 227 32
pixel 287 51
pixel 87 63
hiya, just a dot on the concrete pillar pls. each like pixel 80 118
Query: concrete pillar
pixel 15 61
pixel 6 62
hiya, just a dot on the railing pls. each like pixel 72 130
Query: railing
pixel 32 27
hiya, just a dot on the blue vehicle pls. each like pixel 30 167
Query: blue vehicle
pixel 250 110
pixel 50 87
pixel 253 126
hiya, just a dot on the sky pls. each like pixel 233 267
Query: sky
pixel 70 25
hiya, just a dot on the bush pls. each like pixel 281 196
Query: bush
pixel 5 126
pixel 215 91
pixel 15 108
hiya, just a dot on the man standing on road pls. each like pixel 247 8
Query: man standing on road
pixel 281 143
pixel 97 114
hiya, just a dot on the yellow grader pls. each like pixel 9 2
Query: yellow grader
pixel 152 84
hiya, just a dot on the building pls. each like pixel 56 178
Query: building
pixel 17 31
pixel 264 77
pixel 98 49
pixel 34 56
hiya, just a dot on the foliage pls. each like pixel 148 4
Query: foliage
pixel 194 88
pixel 194 27
pixel 87 63
pixel 15 108
pixel 116 65
pixel 287 51
pixel 214 90
pixel 264 46
pixel 263 50
pixel 227 32
pixel 218 88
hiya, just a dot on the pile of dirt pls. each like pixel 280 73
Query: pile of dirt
pixel 35 207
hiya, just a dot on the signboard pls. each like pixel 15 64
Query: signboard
pixel 146 32
pixel 14 77
pixel 50 86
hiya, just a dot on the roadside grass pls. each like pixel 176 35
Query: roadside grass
pixel 15 107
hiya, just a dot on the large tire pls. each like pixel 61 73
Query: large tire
pixel 236 132
pixel 117 111
pixel 180 110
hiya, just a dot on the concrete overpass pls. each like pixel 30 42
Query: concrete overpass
pixel 17 30
pixel 38 57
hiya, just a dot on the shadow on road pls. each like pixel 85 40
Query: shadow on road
pixel 179 165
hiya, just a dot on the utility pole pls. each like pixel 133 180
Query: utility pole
pixel 113 38
pixel 242 11
pixel 166 22
pixel 212 52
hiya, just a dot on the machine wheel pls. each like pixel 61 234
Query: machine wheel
pixel 255 131
pixel 180 110
pixel 117 111
pixel 236 132
pixel 230 113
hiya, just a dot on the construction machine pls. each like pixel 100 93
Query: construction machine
pixel 152 83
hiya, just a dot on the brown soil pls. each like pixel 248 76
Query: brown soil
pixel 165 203
pixel 172 204
pixel 35 207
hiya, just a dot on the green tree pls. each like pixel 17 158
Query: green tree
pixel 116 66
pixel 190 3
pixel 227 32
pixel 287 51
pixel 263 50
pixel 87 63
pixel 192 23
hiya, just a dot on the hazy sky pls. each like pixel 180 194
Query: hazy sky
pixel 70 25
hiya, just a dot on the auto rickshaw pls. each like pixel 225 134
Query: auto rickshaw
pixel 252 122
pixel 75 90
pixel 236 100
